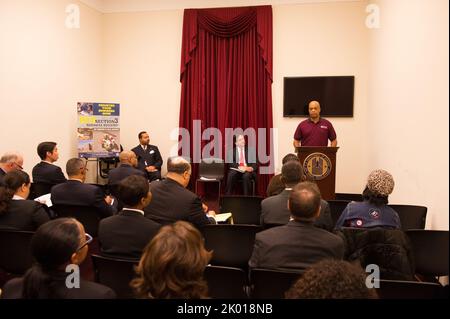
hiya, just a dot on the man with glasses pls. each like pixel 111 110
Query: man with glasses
pixel 75 192
pixel 9 162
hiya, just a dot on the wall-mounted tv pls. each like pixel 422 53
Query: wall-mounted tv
pixel 334 93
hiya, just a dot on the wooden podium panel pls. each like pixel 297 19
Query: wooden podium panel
pixel 319 164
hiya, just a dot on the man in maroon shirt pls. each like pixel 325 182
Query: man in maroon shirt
pixel 314 131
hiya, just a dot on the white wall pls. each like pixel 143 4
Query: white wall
pixel 325 39
pixel 408 98
pixel 45 68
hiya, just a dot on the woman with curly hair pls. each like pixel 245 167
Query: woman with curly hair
pixel 172 265
pixel 332 279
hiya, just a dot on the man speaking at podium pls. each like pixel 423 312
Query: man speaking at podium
pixel 314 131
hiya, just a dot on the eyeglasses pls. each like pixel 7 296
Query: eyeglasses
pixel 19 166
pixel 87 242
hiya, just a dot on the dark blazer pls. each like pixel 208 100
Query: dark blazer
pixel 149 157
pixel 124 170
pixel 250 158
pixel 79 194
pixel 44 172
pixel 126 234
pixel 274 210
pixel 294 247
pixel 88 290
pixel 172 202
pixel 2 175
pixel 23 215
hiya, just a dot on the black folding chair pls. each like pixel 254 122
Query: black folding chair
pixel 411 216
pixel 211 170
pixel 88 216
pixel 226 282
pixel 115 273
pixel 232 245
pixel 336 209
pixel 398 289
pixel 271 284
pixel 430 248
pixel 245 209
pixel 15 251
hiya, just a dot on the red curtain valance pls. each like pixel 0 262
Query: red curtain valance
pixel 228 22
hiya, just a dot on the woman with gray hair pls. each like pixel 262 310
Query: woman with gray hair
pixel 373 210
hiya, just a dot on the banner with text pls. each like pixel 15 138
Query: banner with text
pixel 98 129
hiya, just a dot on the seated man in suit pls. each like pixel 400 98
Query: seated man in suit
pixel 10 161
pixel 46 172
pixel 75 192
pixel 242 166
pixel 128 164
pixel 126 234
pixel 274 209
pixel 149 158
pixel 171 201
pixel 299 244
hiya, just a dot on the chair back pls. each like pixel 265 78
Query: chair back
pixel 411 216
pixel 212 168
pixel 226 282
pixel 88 216
pixel 271 284
pixel 232 245
pixel 115 273
pixel 15 251
pixel 245 209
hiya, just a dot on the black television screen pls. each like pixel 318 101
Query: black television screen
pixel 334 93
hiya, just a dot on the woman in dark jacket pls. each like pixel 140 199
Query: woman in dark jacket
pixel 16 212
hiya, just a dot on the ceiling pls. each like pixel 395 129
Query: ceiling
pixel 111 6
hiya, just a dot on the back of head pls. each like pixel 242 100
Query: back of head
pixel 291 173
pixel 304 201
pixel 178 165
pixel 132 189
pixel 45 147
pixel 74 166
pixel 52 247
pixel 332 279
pixel 126 157
pixel 11 182
pixel 380 185
pixel 290 157
pixel 9 157
pixel 172 264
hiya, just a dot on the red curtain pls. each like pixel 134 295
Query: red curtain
pixel 226 72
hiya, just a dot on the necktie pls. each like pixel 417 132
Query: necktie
pixel 241 157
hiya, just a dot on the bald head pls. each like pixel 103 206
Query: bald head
pixel 179 170
pixel 314 110
pixel 128 158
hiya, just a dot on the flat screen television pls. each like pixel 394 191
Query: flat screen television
pixel 334 93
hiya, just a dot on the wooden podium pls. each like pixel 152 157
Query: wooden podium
pixel 319 164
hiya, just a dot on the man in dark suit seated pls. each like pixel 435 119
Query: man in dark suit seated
pixel 149 158
pixel 242 166
pixel 126 234
pixel 171 201
pixel 46 172
pixel 274 209
pixel 299 244
pixel 128 163
pixel 75 192
pixel 10 162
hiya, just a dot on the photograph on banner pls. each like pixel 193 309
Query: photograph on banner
pixel 98 129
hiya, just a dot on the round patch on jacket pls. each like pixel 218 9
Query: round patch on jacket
pixel 374 214
pixel 359 222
